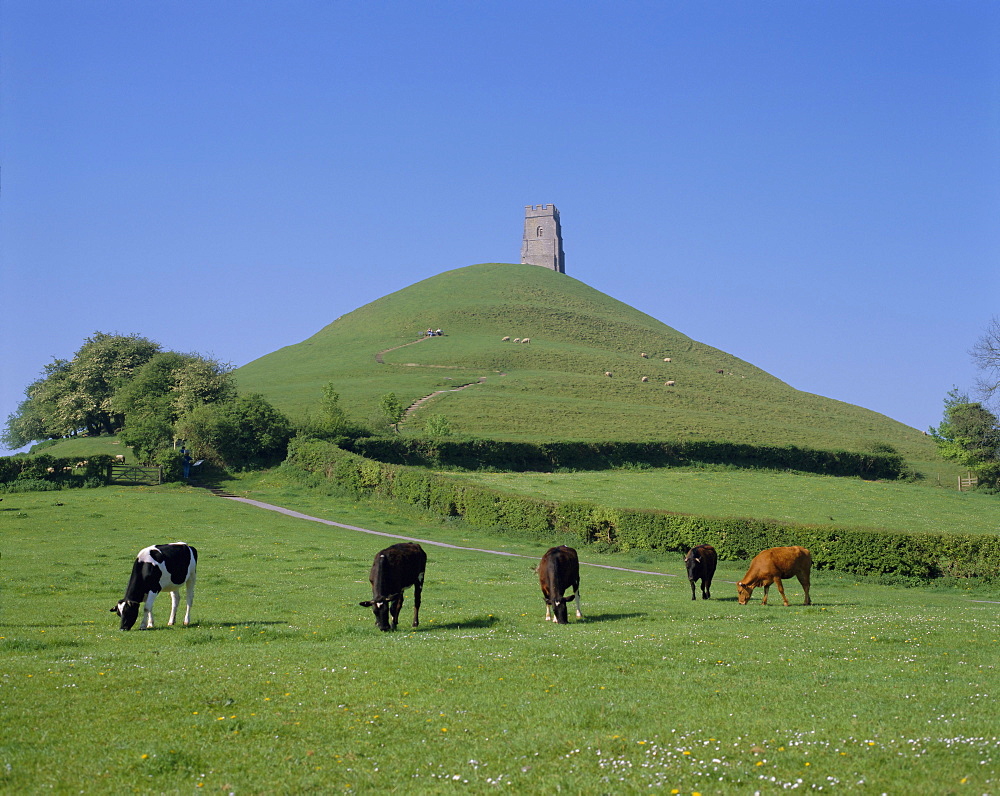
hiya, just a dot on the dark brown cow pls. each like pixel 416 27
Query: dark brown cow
pixel 701 562
pixel 396 568
pixel 770 566
pixel 558 570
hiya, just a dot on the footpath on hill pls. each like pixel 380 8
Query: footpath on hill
pixel 299 515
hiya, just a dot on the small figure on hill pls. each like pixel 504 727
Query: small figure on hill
pixel 439 333
pixel 186 462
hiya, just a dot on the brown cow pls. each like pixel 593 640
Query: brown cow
pixel 770 566
pixel 558 570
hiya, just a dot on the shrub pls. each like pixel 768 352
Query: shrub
pixel 892 555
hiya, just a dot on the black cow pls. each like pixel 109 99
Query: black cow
pixel 396 568
pixel 162 567
pixel 700 562
pixel 559 569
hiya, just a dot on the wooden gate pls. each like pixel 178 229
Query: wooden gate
pixel 134 474
pixel 966 482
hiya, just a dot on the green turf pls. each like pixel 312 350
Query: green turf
pixel 791 497
pixel 283 684
pixel 555 387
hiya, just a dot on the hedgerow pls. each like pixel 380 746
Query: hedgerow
pixel 479 454
pixel 888 554
pixel 29 473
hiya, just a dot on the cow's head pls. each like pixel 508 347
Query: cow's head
pixel 380 607
pixel 691 561
pixel 743 593
pixel 128 610
pixel 559 609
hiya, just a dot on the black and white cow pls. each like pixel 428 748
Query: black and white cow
pixel 701 562
pixel 162 567
pixel 559 569
pixel 396 568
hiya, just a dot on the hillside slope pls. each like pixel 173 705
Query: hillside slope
pixel 555 387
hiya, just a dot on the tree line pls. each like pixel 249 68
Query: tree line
pixel 153 399
pixel 158 401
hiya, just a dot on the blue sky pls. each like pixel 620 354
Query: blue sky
pixel 811 186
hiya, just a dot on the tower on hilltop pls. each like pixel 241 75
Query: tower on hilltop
pixel 542 244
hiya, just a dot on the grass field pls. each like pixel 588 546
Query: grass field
pixel 283 684
pixel 792 497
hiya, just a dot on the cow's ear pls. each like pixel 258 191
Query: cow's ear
pixel 114 609
pixel 366 604
pixel 570 599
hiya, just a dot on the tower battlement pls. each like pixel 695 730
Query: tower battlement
pixel 542 242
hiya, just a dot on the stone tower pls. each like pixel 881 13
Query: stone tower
pixel 542 244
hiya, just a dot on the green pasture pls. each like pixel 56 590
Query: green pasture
pixel 791 497
pixel 283 684
pixel 554 388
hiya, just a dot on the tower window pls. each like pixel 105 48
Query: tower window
pixel 538 232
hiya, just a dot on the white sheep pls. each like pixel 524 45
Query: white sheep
pixel 644 356
pixel 607 373
pixel 505 339
pixel 517 339
pixel 526 340
pixel 644 379
pixel 670 383
pixel 666 359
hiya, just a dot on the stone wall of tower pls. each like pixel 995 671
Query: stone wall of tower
pixel 542 243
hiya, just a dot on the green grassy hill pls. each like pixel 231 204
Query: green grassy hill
pixel 555 387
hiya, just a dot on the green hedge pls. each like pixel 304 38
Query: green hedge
pixel 908 557
pixel 27 472
pixel 477 454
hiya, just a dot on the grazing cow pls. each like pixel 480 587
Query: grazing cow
pixel 559 569
pixel 396 568
pixel 700 562
pixel 162 567
pixel 770 566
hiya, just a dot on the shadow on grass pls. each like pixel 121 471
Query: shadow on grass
pixel 474 623
pixel 589 618
pixel 238 623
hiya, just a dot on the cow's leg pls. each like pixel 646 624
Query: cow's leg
pixel 576 598
pixel 148 617
pixel 706 588
pixel 190 601
pixel 417 589
pixel 766 587
pixel 804 580
pixel 547 607
pixel 175 600
pixel 394 609
pixel 781 590
pixel 691 581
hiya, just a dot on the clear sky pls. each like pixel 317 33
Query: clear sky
pixel 811 186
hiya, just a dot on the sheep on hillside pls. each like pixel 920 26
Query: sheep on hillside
pixel 526 340
pixel 505 339
pixel 644 356
pixel 670 383
pixel 607 373
pixel 644 379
